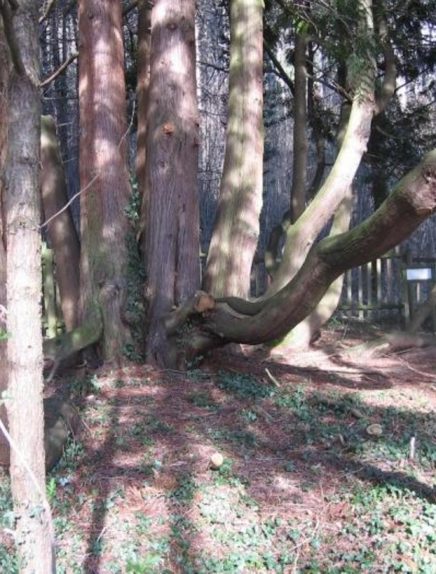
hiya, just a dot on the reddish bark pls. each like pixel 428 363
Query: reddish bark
pixel 104 177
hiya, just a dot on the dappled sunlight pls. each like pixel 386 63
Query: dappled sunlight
pixel 289 444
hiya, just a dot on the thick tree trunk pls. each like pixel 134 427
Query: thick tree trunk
pixel 4 87
pixel 61 230
pixel 236 320
pixel 142 89
pixel 34 534
pixel 236 229
pixel 104 178
pixel 172 219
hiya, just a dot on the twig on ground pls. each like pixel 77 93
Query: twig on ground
pixel 272 378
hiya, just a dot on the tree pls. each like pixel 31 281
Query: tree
pixel 142 89
pixel 172 218
pixel 351 40
pixel 236 230
pixel 104 175
pixel 34 535
pixel 4 87
pixel 59 222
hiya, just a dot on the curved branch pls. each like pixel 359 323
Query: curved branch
pixel 59 71
pixel 412 201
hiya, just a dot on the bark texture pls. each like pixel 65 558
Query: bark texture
pixel 4 86
pixel 236 229
pixel 299 160
pixel 142 89
pixel 104 178
pixel 61 230
pixel 172 218
pixel 34 536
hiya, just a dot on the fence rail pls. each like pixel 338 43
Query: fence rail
pixel 385 288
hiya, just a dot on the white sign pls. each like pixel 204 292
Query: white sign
pixel 419 274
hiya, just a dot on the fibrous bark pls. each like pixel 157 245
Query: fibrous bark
pixel 4 87
pixel 236 229
pixel 61 230
pixel 104 178
pixel 34 534
pixel 142 88
pixel 299 160
pixel 172 218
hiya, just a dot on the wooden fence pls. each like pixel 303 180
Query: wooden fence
pixel 390 288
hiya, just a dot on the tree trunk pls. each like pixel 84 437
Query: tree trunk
pixel 230 319
pixel 142 89
pixel 4 86
pixel 299 160
pixel 303 334
pixel 61 230
pixel 34 534
pixel 172 219
pixel 301 236
pixel 104 177
pixel 425 310
pixel 236 229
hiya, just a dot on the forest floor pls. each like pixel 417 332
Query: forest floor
pixel 328 466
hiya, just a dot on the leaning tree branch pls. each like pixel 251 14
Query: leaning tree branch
pixel 278 67
pixel 59 71
pixel 412 201
pixel 47 10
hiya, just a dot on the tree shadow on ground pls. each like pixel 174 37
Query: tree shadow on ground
pixel 286 444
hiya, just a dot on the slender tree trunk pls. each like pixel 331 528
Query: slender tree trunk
pixel 299 160
pixel 104 177
pixel 301 236
pixel 4 87
pixel 236 229
pixel 172 218
pixel 302 335
pixel 61 229
pixel 425 310
pixel 34 534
